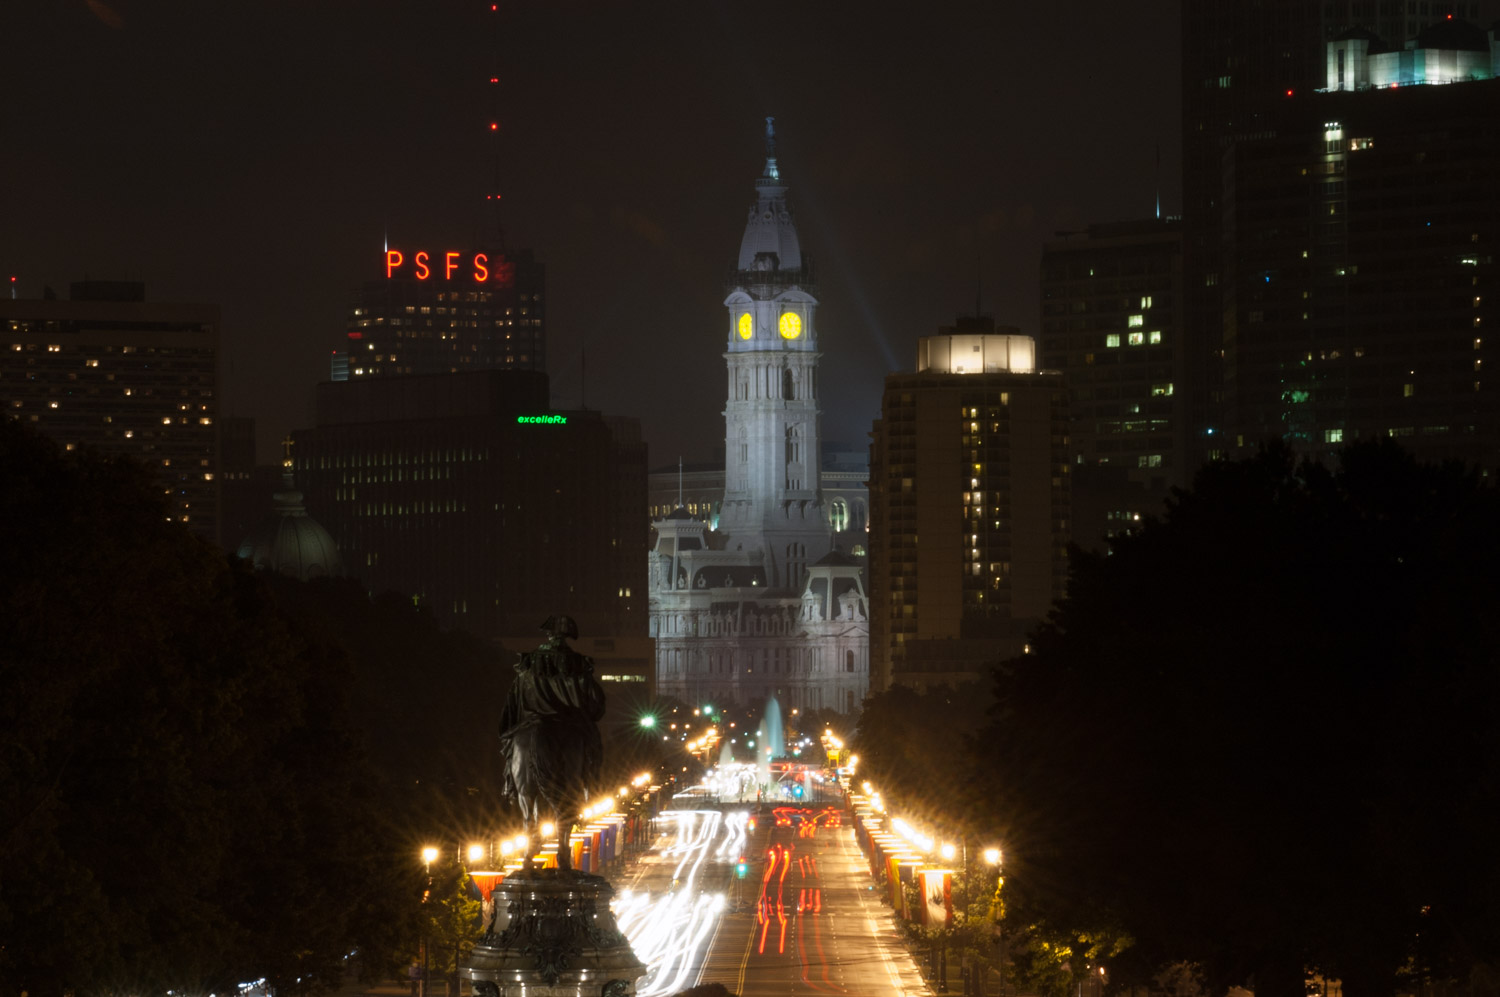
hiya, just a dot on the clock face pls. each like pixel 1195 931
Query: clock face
pixel 791 325
pixel 746 331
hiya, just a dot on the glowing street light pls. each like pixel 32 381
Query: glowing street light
pixel 429 856
pixel 992 856
pixel 476 852
pixel 648 721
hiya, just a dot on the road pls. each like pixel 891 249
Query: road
pixel 802 920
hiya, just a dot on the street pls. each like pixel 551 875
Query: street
pixel 802 918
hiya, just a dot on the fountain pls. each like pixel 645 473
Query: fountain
pixel 769 743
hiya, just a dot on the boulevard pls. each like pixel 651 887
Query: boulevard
pixel 764 899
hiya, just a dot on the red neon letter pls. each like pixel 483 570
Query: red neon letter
pixel 450 264
pixel 392 261
pixel 422 272
pixel 481 272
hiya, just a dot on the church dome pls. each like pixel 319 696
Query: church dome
pixel 290 542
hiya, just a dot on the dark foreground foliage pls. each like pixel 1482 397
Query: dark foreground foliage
pixel 1260 734
pixel 184 802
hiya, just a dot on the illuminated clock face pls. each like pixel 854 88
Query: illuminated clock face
pixel 745 326
pixel 791 325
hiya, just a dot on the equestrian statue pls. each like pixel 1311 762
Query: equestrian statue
pixel 549 735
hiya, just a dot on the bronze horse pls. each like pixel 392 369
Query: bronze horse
pixel 549 735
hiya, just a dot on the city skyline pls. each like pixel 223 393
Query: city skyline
pixel 263 165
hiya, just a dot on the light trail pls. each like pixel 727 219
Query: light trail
pixel 671 932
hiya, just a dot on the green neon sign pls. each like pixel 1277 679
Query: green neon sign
pixel 542 420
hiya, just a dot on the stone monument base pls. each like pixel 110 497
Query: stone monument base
pixel 552 934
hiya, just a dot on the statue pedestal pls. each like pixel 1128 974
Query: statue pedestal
pixel 552 935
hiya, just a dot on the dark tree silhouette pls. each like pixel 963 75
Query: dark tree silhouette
pixel 184 804
pixel 1260 735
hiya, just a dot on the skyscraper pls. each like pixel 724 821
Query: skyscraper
pixel 107 369
pixel 447 311
pixel 969 516
pixel 1112 300
pixel 1361 282
pixel 469 493
pixel 1242 60
pixel 764 606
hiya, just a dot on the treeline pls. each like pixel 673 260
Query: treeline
pixel 1257 740
pixel 207 778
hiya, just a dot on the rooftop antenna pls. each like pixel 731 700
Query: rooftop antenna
pixel 1158 181
pixel 977 285
pixel 679 481
pixel 493 195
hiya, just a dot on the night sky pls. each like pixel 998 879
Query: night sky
pixel 258 155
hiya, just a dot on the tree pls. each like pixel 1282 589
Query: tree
pixel 914 746
pixel 1257 734
pixel 186 806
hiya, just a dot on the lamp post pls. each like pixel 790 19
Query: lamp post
pixel 429 856
pixel 993 857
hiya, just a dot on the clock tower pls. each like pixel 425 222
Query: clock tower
pixel 772 498
pixel 759 605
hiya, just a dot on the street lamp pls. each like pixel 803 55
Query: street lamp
pixel 993 857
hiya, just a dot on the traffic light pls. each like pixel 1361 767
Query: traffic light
pixel 740 868
pixel 708 711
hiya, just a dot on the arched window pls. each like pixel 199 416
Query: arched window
pixel 848 661
pixel 838 515
pixel 788 385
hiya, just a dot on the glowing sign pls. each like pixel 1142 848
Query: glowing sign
pixel 477 267
pixel 542 420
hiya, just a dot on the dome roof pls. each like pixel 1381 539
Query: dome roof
pixel 770 240
pixel 290 542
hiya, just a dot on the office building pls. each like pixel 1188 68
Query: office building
pixel 1242 61
pixel 110 370
pixel 969 506
pixel 763 605
pixel 470 494
pixel 448 311
pixel 1112 300
pixel 1360 277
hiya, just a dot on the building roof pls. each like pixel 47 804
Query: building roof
pixel 769 231
pixel 838 559
pixel 1454 34
pixel 290 542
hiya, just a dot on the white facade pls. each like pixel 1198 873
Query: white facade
pixel 764 606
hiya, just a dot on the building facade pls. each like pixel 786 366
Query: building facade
pixel 1361 240
pixel 468 493
pixel 1112 322
pixel 763 605
pixel 969 507
pixel 109 370
pixel 444 312
pixel 1242 62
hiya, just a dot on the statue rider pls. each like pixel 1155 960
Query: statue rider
pixel 549 737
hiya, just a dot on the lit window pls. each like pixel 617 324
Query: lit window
pixel 1137 338
pixel 1161 390
pixel 1154 336
pixel 1112 339
pixel 1146 301
pixel 1136 321
pixel 1333 436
